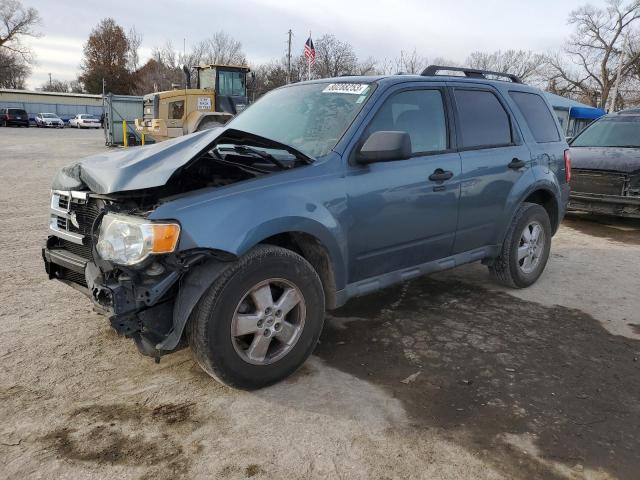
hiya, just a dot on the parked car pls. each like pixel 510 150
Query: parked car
pixel 84 120
pixel 606 161
pixel 235 240
pixel 49 120
pixel 14 116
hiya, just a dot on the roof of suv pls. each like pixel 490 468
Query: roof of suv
pixel 388 80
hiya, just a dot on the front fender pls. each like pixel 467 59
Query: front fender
pixel 236 218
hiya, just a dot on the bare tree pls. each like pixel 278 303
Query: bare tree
pixel 56 85
pixel 333 58
pixel 135 40
pixel 410 63
pixel 594 53
pixel 16 59
pixel 523 63
pixel 17 22
pixel 13 70
pixel 368 66
pixel 221 48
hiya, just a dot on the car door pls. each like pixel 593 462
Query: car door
pixel 493 159
pixel 404 212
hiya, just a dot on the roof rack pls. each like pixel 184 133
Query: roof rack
pixel 432 71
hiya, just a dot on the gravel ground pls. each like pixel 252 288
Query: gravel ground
pixel 441 378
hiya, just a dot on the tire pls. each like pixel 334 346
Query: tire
pixel 217 337
pixel 513 269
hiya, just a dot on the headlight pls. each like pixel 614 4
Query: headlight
pixel 129 240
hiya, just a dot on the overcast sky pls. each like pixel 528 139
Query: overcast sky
pixel 450 29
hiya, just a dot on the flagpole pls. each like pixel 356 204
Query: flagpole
pixel 309 63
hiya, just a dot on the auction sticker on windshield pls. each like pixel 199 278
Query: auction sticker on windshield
pixel 349 88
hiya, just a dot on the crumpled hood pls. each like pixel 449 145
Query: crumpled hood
pixel 626 160
pixel 133 168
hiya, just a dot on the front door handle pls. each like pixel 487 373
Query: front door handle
pixel 440 175
pixel 517 164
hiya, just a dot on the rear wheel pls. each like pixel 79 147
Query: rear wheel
pixel 526 247
pixel 260 320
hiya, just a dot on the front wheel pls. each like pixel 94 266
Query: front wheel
pixel 526 247
pixel 260 320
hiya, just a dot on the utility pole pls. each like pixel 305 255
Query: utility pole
pixel 49 81
pixel 616 86
pixel 290 33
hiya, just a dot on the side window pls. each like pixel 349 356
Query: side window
pixel 420 113
pixel 537 115
pixel 176 110
pixel 483 120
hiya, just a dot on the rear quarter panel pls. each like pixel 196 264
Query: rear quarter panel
pixel 547 170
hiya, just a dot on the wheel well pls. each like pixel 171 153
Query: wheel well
pixel 314 252
pixel 545 199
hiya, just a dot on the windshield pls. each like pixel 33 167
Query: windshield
pixel 308 117
pixel 88 117
pixel 48 115
pixel 16 111
pixel 619 131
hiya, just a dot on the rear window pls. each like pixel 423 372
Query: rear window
pixel 16 111
pixel 537 115
pixel 483 120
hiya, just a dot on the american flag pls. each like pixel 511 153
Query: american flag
pixel 310 52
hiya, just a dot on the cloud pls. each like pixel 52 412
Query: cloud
pixel 379 29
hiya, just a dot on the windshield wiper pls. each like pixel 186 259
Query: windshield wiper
pixel 264 155
pixel 245 168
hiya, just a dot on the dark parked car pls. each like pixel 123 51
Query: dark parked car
pixel 14 116
pixel 606 166
pixel 235 240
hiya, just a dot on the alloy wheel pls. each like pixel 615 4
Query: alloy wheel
pixel 531 247
pixel 268 321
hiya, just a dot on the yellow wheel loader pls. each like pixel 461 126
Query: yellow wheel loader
pixel 220 93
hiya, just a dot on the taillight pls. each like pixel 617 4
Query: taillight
pixel 567 166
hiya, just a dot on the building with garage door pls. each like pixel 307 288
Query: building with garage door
pixel 65 105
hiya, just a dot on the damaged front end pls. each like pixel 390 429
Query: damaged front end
pixel 606 192
pixel 140 300
pixel 103 242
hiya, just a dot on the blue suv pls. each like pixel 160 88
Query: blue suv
pixel 234 241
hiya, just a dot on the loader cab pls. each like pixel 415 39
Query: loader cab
pixel 229 84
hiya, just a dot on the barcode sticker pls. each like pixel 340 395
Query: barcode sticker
pixel 349 88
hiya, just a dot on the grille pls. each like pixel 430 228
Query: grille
pixel 85 213
pixel 83 251
pixel 604 183
pixel 71 276
pixel 78 219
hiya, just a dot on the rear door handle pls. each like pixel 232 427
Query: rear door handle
pixel 440 175
pixel 517 164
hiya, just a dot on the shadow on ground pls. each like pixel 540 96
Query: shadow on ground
pixel 619 229
pixel 491 366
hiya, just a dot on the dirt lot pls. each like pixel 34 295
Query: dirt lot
pixel 445 377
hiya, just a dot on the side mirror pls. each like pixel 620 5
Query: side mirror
pixel 384 147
